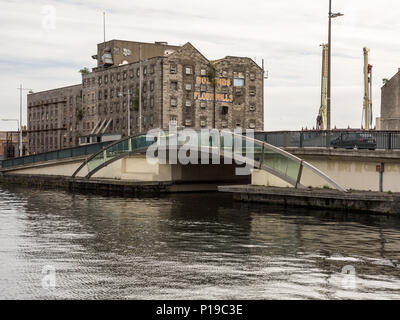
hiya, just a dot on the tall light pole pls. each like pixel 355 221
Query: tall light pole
pixel 328 107
pixel 140 88
pixel 20 116
pixel 121 94
pixel 17 121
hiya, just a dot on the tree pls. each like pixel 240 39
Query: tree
pixel 80 114
pixel 135 99
pixel 84 71
pixel 212 77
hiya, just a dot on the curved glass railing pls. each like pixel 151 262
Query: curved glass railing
pixel 237 147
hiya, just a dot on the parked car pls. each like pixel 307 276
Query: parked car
pixel 354 140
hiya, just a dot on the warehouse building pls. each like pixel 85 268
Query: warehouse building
pixel 390 104
pixel 159 83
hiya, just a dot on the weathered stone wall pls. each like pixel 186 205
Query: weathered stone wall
pixel 102 102
pixel 390 104
pixel 52 119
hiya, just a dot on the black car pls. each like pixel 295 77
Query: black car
pixel 354 140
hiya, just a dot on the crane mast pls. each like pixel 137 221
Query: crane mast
pixel 322 115
pixel 367 105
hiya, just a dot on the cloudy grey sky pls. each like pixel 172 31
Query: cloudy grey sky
pixel 286 33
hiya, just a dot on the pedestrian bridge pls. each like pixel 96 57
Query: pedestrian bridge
pixel 219 156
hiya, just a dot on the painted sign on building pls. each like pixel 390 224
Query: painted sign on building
pixel 209 96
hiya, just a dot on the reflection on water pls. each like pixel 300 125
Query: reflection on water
pixel 190 246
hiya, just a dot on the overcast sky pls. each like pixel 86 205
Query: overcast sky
pixel 286 33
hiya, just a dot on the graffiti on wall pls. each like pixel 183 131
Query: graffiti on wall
pixel 209 96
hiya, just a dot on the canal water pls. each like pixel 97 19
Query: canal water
pixel 59 245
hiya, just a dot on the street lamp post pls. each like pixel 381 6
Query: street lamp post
pixel 121 94
pixel 331 15
pixel 20 137
pixel 20 115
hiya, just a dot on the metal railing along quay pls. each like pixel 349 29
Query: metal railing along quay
pixel 385 140
pixel 55 155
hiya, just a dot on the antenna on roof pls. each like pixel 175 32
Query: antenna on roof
pixel 104 26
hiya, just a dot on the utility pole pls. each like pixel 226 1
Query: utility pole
pixel 322 117
pixel 128 93
pixel 20 116
pixel 140 88
pixel 328 93
pixel 367 106
pixel 265 77
pixel 328 107
pixel 104 27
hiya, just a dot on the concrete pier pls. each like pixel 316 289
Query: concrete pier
pixel 358 201
pixel 129 188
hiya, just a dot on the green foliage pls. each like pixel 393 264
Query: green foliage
pixel 135 99
pixel 212 74
pixel 79 115
pixel 84 71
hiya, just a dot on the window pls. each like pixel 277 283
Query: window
pixel 118 76
pixel 188 103
pixel 238 123
pixel 105 94
pixel 124 75
pixel 138 72
pixel 99 80
pixel 203 72
pixel 252 92
pixel 188 86
pixel 203 105
pixel 173 121
pixel 252 76
pixel 188 122
pixel 224 110
pixel 151 85
pixel 151 102
pixel 106 79
pixel 252 124
pixel 112 78
pixel 203 123
pixel 238 82
pixel 174 85
pixel 174 102
pixel 100 95
pixel 152 69
pixel 172 69
pixel 188 70
pixel 144 71
pixel 131 74
pixel 238 79
pixel 252 108
pixel 203 87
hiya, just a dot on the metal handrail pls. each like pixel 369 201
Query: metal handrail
pixel 222 152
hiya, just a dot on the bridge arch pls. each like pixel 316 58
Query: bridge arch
pixel 264 156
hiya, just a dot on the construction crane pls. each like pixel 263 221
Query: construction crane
pixel 367 105
pixel 322 115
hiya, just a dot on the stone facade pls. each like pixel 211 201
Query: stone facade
pixel 176 86
pixel 53 119
pixel 128 51
pixel 390 104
